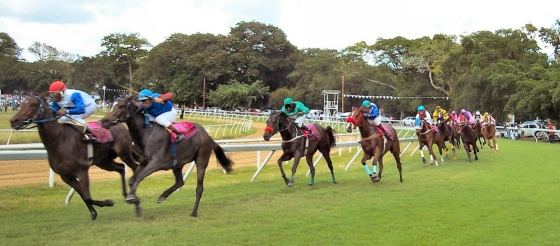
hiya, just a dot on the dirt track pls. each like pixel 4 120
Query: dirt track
pixel 15 173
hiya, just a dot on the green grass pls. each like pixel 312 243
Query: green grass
pixel 509 198
pixel 33 137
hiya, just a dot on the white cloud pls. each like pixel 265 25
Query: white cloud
pixel 307 23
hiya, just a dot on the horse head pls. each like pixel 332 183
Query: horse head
pixel 122 111
pixel 277 122
pixel 355 120
pixel 424 128
pixel 33 110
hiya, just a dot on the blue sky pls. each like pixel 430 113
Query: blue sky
pixel 77 26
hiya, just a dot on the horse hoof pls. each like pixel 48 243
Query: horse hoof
pixel 109 203
pixel 334 182
pixel 138 211
pixel 161 199
pixel 310 184
pixel 424 161
pixel 93 215
pixel 290 184
pixel 130 198
pixel 454 158
pixel 193 214
pixel 375 179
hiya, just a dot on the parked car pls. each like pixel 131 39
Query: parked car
pixel 267 112
pixel 533 128
pixel 342 116
pixel 408 121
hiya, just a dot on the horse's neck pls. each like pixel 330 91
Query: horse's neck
pixel 50 132
pixel 137 128
pixel 367 130
pixel 290 132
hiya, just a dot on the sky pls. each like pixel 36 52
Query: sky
pixel 78 26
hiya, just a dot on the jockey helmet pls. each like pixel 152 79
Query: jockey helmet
pixel 145 94
pixel 485 113
pixel 57 86
pixel 463 111
pixel 288 100
pixel 477 113
pixel 366 103
pixel 438 107
pixel 421 108
pixel 453 112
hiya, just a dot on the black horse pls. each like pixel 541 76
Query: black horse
pixel 468 137
pixel 293 144
pixel 67 153
pixel 157 149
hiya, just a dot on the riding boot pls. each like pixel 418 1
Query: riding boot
pixel 304 127
pixel 88 135
pixel 385 133
pixel 180 135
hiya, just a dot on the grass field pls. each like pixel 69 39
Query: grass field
pixel 33 137
pixel 509 198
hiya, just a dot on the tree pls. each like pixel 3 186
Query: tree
pixel 236 94
pixel 125 49
pixel 550 36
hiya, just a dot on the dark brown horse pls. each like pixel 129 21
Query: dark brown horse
pixel 427 137
pixel 293 144
pixel 489 133
pixel 374 145
pixel 67 154
pixel 449 134
pixel 479 136
pixel 468 137
pixel 155 142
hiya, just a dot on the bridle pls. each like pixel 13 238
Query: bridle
pixel 360 122
pixel 128 114
pixel 277 128
pixel 38 117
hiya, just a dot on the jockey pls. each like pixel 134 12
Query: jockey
pixel 466 116
pixel 72 105
pixel 477 116
pixel 371 112
pixel 488 117
pixel 422 116
pixel 292 107
pixel 454 117
pixel 161 111
pixel 440 113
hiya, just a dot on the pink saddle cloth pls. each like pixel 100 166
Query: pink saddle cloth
pixel 188 129
pixel 315 133
pixel 101 134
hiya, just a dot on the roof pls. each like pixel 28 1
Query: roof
pixel 330 92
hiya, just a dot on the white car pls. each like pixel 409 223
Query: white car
pixel 266 112
pixel 408 121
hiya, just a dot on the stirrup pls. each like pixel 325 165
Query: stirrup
pixel 88 137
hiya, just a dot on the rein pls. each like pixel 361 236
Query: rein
pixel 277 129
pixel 361 123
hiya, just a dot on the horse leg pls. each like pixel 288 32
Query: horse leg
pixel 440 147
pixel 297 158
pixel 326 154
pixel 280 160
pixel 111 165
pixel 496 150
pixel 309 160
pixel 178 173
pixel 396 154
pixel 374 177
pixel 74 183
pixel 421 147
pixel 152 167
pixel 201 165
pixel 380 166
pixel 366 157
pixel 432 155
pixel 467 147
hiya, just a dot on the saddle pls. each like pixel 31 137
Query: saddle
pixel 93 132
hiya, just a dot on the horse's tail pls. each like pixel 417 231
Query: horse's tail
pixel 331 134
pixel 222 157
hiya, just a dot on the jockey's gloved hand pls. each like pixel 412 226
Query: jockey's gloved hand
pixel 299 113
pixel 61 112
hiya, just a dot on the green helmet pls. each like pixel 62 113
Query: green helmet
pixel 366 103
pixel 288 100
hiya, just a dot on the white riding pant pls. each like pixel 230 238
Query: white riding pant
pixel 376 121
pixel 165 119
pixel 299 120
pixel 79 118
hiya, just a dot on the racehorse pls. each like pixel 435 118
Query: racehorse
pixel 448 133
pixel 158 150
pixel 478 131
pixel 68 155
pixel 427 137
pixel 293 144
pixel 373 143
pixel 468 137
pixel 489 132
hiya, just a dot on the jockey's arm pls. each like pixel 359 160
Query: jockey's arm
pixel 79 105
pixel 300 107
pixel 166 97
pixel 374 112
pixel 54 107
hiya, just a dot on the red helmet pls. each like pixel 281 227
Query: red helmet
pixel 57 86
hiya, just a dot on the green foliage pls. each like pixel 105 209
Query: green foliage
pixel 236 94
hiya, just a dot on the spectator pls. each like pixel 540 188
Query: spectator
pixel 551 134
